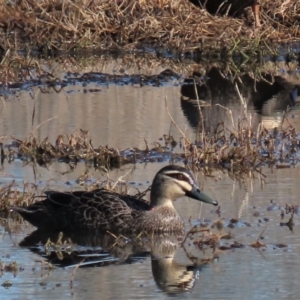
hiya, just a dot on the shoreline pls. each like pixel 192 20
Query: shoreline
pixel 135 24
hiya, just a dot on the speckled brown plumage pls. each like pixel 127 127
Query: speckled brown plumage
pixel 105 210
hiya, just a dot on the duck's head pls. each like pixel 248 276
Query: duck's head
pixel 172 182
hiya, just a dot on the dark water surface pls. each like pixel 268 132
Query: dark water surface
pixel 122 117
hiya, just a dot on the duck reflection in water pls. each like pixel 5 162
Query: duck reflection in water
pixel 267 97
pixel 102 250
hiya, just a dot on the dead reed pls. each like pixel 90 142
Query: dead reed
pixel 70 149
pixel 242 149
pixel 13 194
pixel 130 24
pixel 245 148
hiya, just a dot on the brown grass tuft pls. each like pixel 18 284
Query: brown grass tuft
pixel 130 24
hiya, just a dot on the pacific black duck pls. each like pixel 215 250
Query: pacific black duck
pixel 105 210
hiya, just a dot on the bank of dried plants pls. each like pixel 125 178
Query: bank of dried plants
pixel 133 24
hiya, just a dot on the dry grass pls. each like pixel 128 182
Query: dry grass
pixel 242 150
pixel 10 267
pixel 13 194
pixel 16 69
pixel 190 34
pixel 131 24
pixel 70 149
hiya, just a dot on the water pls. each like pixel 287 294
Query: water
pixel 269 272
pixel 122 117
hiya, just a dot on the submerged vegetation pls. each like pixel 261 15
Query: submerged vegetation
pixel 243 148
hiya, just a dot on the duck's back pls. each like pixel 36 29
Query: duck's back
pixel 94 210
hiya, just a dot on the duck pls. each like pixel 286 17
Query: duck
pixel 231 7
pixel 107 211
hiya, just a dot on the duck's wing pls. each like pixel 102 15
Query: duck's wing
pixel 98 209
pixel 50 213
pixel 131 202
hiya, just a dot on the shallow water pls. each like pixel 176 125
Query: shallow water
pixel 122 117
pixel 271 272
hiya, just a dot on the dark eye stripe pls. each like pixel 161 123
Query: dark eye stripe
pixel 181 177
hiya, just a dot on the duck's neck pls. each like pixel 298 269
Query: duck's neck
pixel 161 194
pixel 161 218
pixel 161 202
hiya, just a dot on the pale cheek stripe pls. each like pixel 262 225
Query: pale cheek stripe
pixel 185 186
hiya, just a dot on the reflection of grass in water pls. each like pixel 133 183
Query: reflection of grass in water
pixel 19 72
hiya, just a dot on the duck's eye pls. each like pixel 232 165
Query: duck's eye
pixel 180 177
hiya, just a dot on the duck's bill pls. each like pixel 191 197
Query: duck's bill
pixel 195 193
